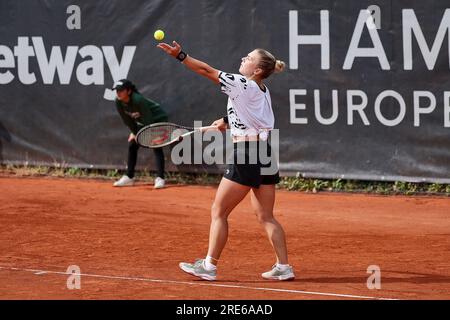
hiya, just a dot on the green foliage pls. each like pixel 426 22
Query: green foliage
pixel 74 171
pixel 297 183
pixel 436 188
pixel 112 173
pixel 337 185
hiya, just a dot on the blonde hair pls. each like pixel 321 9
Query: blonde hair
pixel 279 66
pixel 269 64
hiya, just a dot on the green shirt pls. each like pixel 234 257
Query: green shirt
pixel 140 112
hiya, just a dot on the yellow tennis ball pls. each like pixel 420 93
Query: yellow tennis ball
pixel 159 35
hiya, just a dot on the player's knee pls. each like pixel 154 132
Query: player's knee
pixel 264 217
pixel 217 211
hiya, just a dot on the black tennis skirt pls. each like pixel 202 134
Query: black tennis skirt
pixel 252 164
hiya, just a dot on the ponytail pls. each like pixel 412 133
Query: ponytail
pixel 269 64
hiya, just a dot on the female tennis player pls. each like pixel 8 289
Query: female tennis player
pixel 249 116
pixel 137 112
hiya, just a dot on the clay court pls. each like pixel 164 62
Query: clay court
pixel 128 243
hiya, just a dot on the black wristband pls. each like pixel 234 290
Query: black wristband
pixel 181 56
pixel 225 119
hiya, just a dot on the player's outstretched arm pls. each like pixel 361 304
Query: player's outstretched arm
pixel 195 65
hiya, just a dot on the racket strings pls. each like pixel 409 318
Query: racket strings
pixel 160 135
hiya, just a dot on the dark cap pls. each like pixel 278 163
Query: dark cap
pixel 123 84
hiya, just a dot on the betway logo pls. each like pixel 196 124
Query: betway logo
pixel 90 71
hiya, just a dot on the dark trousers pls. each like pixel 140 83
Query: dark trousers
pixel 133 148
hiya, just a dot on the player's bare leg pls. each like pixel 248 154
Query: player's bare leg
pixel 263 200
pixel 228 196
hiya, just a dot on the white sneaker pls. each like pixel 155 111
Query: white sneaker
pixel 278 274
pixel 124 182
pixel 159 183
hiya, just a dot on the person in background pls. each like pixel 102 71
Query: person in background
pixel 136 112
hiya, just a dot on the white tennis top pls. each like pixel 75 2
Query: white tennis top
pixel 249 108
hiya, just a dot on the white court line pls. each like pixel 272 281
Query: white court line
pixel 207 284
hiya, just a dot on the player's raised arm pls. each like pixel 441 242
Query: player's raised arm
pixel 195 65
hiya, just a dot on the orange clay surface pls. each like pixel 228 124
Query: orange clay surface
pixel 128 242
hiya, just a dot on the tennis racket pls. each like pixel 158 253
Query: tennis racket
pixel 162 134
